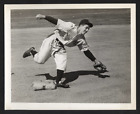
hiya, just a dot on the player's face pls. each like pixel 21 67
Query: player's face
pixel 83 29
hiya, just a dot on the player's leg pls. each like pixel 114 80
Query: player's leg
pixel 61 61
pixel 44 53
pixel 30 52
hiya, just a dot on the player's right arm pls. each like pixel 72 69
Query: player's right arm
pixel 60 24
pixel 48 18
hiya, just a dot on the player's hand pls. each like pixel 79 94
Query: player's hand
pixel 40 16
pixel 99 66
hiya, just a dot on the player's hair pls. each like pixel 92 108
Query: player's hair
pixel 85 22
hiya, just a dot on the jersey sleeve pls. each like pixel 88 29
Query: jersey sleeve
pixel 65 26
pixel 82 44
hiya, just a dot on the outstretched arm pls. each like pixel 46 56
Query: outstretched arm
pixel 48 18
pixel 89 55
pixel 60 24
pixel 97 64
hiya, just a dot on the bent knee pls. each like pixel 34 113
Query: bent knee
pixel 38 60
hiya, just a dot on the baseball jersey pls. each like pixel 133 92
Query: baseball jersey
pixel 72 38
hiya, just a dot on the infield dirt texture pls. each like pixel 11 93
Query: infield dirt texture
pixel 109 40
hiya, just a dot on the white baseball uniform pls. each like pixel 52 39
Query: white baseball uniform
pixel 52 46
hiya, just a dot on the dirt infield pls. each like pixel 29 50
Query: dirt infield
pixel 109 43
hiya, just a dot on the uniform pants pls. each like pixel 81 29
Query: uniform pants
pixel 45 53
pixel 60 60
pixel 45 50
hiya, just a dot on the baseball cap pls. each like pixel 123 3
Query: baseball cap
pixel 86 21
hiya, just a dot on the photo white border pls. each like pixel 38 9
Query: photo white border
pixel 67 106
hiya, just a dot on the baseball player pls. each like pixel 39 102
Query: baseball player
pixel 65 34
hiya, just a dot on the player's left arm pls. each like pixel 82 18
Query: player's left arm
pixel 98 65
pixel 83 46
pixel 89 55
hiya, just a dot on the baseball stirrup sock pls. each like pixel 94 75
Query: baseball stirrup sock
pixel 59 75
pixel 33 52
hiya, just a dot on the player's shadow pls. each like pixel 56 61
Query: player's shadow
pixel 48 76
pixel 71 76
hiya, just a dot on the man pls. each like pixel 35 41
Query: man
pixel 66 34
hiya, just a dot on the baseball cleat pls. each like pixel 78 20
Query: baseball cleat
pixel 63 85
pixel 60 84
pixel 28 52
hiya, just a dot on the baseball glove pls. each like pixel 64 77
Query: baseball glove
pixel 43 85
pixel 100 67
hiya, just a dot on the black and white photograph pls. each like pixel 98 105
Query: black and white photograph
pixel 70 56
